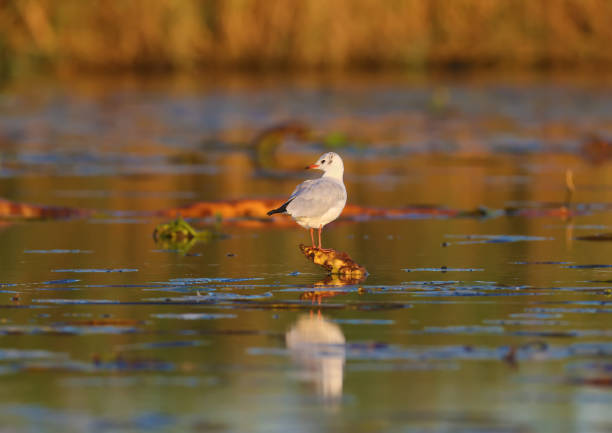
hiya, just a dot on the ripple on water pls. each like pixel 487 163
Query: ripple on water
pixel 443 269
pixel 380 351
pixel 494 239
pixel 63 281
pixel 194 316
pixel 152 345
pixel 206 280
pixel 76 301
pixel 212 296
pixel 364 321
pixel 66 330
pixel 87 271
pixel 57 251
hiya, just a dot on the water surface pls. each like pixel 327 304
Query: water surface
pixel 466 324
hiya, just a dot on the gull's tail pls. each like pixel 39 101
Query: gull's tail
pixel 281 209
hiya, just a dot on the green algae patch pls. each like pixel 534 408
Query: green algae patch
pixel 179 235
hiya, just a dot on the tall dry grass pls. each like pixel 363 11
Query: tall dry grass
pixel 303 33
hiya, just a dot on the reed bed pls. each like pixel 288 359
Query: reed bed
pixel 184 34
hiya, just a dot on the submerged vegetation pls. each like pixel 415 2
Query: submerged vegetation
pixel 161 34
pixel 179 235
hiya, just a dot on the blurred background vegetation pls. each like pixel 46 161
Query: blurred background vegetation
pixel 152 35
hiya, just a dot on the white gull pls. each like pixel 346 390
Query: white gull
pixel 317 202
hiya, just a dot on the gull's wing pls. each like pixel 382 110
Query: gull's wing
pixel 313 198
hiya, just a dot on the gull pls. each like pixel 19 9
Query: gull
pixel 317 202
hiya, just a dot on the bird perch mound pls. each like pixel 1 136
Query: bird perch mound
pixel 334 262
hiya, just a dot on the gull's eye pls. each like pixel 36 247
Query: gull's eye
pixel 323 162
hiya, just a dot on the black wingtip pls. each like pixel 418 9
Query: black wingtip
pixel 281 209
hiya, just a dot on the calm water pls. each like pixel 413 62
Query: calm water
pixel 514 335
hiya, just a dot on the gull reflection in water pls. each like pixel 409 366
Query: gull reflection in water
pixel 317 346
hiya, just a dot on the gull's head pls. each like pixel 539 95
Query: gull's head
pixel 330 163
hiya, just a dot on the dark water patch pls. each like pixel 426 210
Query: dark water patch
pixel 103 320
pixel 600 237
pixel 599 370
pixel 153 345
pixel 555 398
pixel 66 330
pixel 443 269
pixel 570 333
pixel 536 316
pixel 76 301
pixel 432 283
pixel 580 226
pixel 597 303
pixel 92 302
pixel 127 286
pixel 183 289
pixel 19 306
pixel 67 420
pixel 58 288
pixel 179 252
pixel 58 251
pixel 139 381
pixel 578 289
pixel 544 334
pixel 309 305
pixel 454 302
pixel 544 262
pixel 118 363
pixel 537 351
pixel 402 366
pixel 18 354
pixel 462 330
pixel 525 322
pixel 494 239
pixel 193 316
pixel 108 270
pixel 63 281
pixel 456 422
pixel 471 293
pixel 568 310
pixel 207 280
pixel 212 296
pixel 144 422
pixel 364 321
pixel 118 221
pixel 343 289
pixel 500 330
pixel 235 332
pixel 589 266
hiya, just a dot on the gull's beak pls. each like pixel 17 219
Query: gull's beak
pixel 311 166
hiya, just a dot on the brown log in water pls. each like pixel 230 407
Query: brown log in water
pixel 334 262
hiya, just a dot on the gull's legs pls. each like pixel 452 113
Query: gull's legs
pixel 312 238
pixel 321 248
